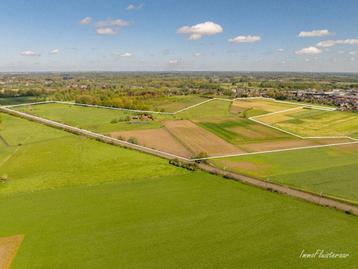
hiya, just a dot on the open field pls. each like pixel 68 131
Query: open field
pixel 308 122
pixel 331 171
pixel 254 107
pixel 241 131
pixel 199 140
pixel 159 139
pixel 90 118
pixel 149 209
pixel 244 133
pixel 52 158
pixel 190 221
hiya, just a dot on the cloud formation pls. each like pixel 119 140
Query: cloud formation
pixel 173 61
pixel 331 43
pixel 315 33
pixel 245 39
pixel 195 32
pixel 126 54
pixel 29 53
pixel 309 51
pixel 134 7
pixel 86 21
pixel 110 26
pixel 54 51
pixel 105 31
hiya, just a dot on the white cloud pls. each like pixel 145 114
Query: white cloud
pixel 54 51
pixel 134 7
pixel 126 54
pixel 245 39
pixel 315 33
pixel 197 54
pixel 86 21
pixel 29 53
pixel 280 50
pixel 331 43
pixel 326 43
pixel 110 26
pixel 173 61
pixel 105 31
pixel 352 52
pixel 202 29
pixel 109 22
pixel 309 51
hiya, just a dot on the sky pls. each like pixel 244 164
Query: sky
pixel 196 35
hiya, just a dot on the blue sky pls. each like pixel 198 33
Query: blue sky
pixel 271 35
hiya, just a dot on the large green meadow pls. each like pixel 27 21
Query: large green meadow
pixel 330 171
pixel 90 118
pixel 84 204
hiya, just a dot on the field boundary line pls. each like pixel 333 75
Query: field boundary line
pixel 254 119
pixel 283 189
pixel 90 134
pixel 274 151
pixel 9 157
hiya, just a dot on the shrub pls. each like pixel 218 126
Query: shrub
pixel 132 140
pixel 4 178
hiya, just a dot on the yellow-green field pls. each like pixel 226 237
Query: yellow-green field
pixel 311 122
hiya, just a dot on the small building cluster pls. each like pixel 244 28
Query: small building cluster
pixel 343 99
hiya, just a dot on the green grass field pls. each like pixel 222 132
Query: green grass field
pixel 48 158
pixel 90 118
pixel 226 130
pixel 331 171
pixel 84 204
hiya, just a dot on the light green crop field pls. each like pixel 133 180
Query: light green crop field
pixel 151 214
pixel 216 110
pixel 259 106
pixel 310 122
pixel 331 171
pixel 90 118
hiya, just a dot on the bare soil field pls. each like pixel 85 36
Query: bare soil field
pixel 198 139
pixel 8 248
pixel 159 139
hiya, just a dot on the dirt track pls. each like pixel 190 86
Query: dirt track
pixel 8 249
